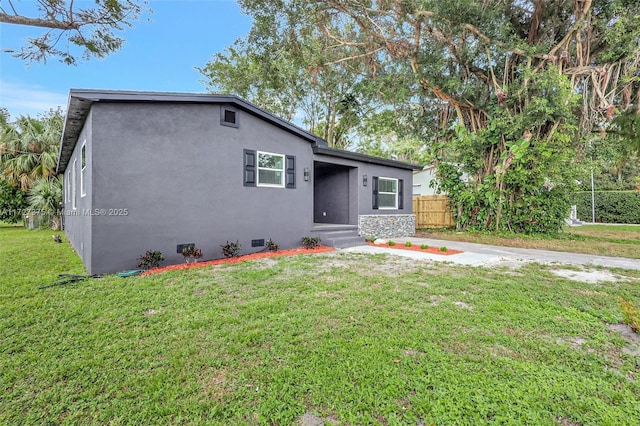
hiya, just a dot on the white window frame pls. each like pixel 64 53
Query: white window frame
pixel 68 186
pixel 387 193
pixel 83 168
pixel 282 171
pixel 73 185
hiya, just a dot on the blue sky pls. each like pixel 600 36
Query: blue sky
pixel 160 54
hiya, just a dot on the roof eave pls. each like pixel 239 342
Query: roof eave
pixel 356 156
pixel 80 101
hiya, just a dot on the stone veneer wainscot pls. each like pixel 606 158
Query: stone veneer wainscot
pixel 387 226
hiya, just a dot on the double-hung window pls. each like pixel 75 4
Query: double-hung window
pixel 83 169
pixel 270 169
pixel 387 193
pixel 68 199
pixel 73 184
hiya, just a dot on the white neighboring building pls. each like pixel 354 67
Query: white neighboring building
pixel 422 181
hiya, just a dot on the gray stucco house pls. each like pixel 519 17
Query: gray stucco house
pixel 151 171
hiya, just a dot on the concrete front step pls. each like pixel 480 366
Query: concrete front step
pixel 338 236
pixel 344 242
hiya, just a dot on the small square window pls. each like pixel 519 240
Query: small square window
pixel 228 116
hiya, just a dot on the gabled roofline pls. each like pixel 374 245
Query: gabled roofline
pixel 81 100
pixel 332 152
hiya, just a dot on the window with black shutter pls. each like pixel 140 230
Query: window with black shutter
pixel 249 167
pixel 374 186
pixel 290 177
pixel 387 193
pixel 269 170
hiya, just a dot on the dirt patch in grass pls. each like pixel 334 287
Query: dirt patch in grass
pixel 214 383
pixel 243 258
pixel 633 339
pixel 586 276
pixel 463 305
pixel 368 266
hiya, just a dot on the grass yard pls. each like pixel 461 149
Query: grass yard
pixel 346 339
pixel 605 240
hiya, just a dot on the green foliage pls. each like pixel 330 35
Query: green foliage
pixel 191 252
pixel 424 246
pixel 310 242
pixel 45 199
pixel 514 78
pixel 392 243
pixel 520 167
pixel 279 66
pixel 611 206
pixel 72 32
pixel 443 248
pixel 407 244
pixel 231 249
pixel 398 134
pixel 29 148
pixel 630 315
pixel 151 259
pixel 271 246
pixel 13 203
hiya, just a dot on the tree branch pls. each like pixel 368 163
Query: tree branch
pixel 37 22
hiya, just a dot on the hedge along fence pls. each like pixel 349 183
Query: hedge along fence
pixel 611 206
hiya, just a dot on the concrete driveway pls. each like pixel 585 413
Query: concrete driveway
pixel 487 255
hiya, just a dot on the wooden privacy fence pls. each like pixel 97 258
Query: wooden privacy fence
pixel 432 211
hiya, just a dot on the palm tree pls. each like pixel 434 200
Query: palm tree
pixel 29 148
pixel 45 197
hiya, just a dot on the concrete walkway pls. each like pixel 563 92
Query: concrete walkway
pixel 487 255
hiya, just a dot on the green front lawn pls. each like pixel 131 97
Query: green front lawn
pixel 346 338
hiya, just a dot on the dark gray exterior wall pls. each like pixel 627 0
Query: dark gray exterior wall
pixel 331 194
pixel 362 203
pixel 77 222
pixel 170 173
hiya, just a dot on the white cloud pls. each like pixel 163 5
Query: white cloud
pixel 24 99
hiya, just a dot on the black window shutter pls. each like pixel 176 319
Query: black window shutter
pixel 400 194
pixel 374 186
pixel 249 167
pixel 290 171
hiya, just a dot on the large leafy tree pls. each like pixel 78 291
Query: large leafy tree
pixel 519 84
pixel 28 153
pixel 45 197
pixel 29 148
pixel 13 202
pixel 614 154
pixel 70 27
pixel 280 65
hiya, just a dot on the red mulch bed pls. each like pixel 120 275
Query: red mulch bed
pixel 416 247
pixel 243 258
